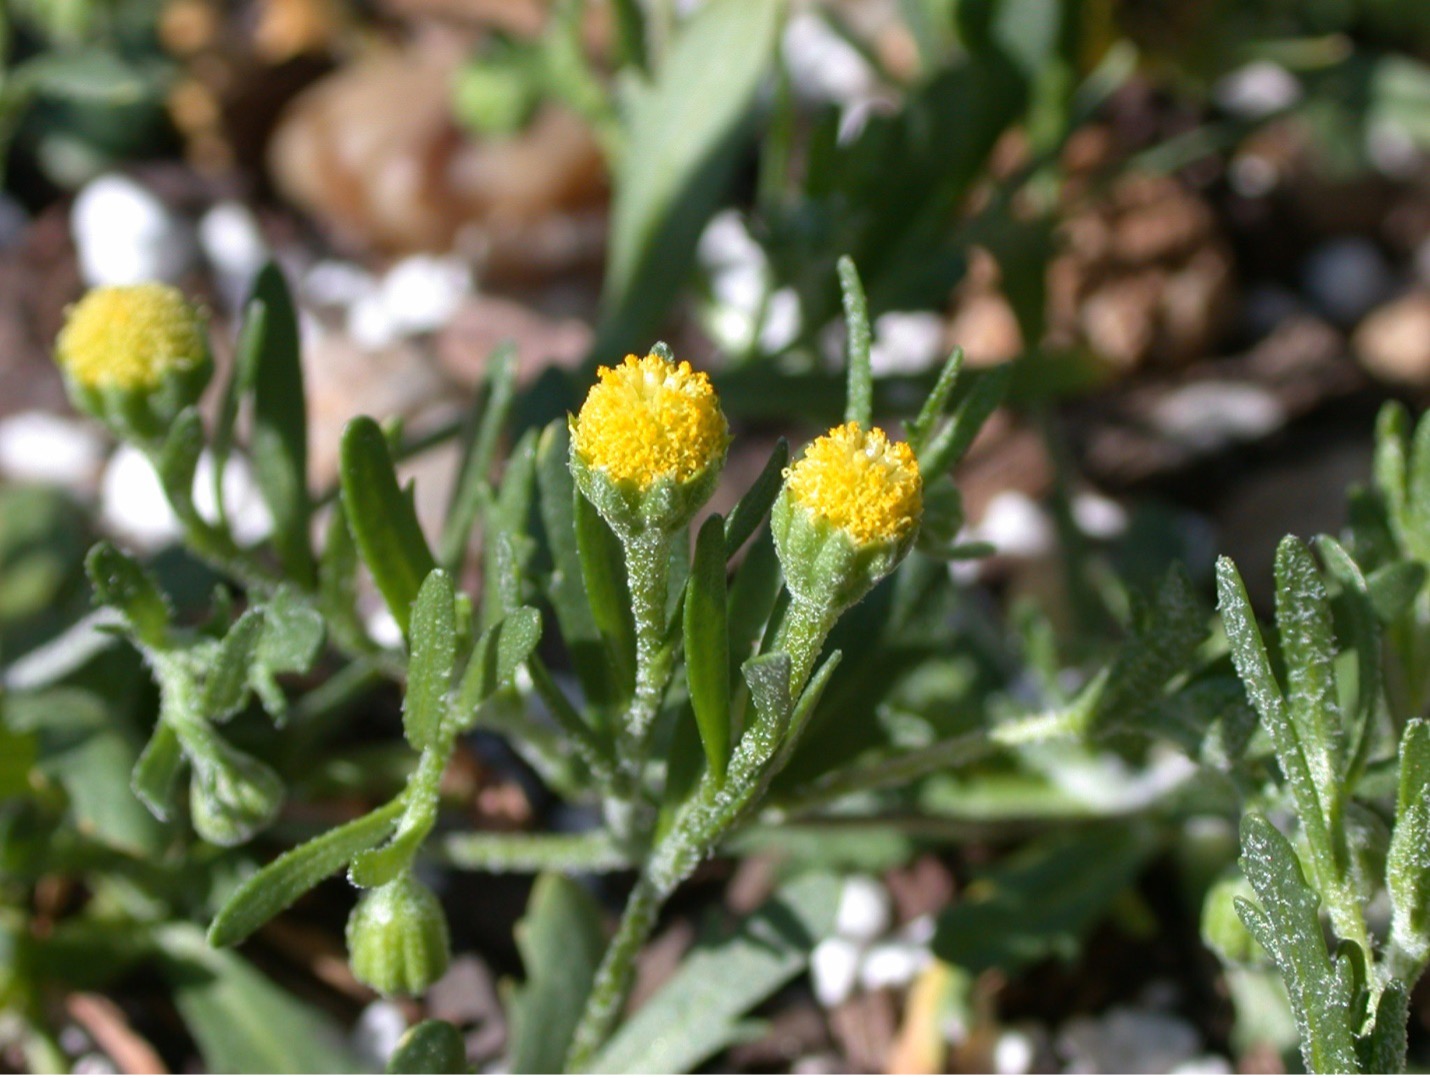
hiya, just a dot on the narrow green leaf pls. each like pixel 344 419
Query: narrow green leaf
pixel 768 679
pixel 241 1021
pixel 292 634
pixel 1248 654
pixel 937 400
pixel 179 459
pixel 280 883
pixel 434 654
pixel 1392 432
pixel 566 592
pixel 279 444
pixel 859 396
pixel 506 527
pixel 753 594
pixel 1383 1050
pixel 1303 622
pixel 337 582
pixel 945 448
pixel 382 520
pixel 1417 501
pixel 472 490
pixel 155 777
pixel 750 510
pixel 698 1012
pixel 561 941
pixel 119 581
pixel 1041 901
pixel 225 688
pixel 1287 925
pixel 240 383
pixel 1407 865
pixel 707 644
pixel 603 571
pixel 1393 588
pixel 430 1047
pixel 1364 636
pixel 494 661
pixel 685 134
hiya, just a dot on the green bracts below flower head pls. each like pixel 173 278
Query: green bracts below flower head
pixel 397 938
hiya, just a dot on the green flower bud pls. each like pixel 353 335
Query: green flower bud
pixel 233 796
pixel 397 938
pixel 1222 928
pixel 134 357
pixel 648 444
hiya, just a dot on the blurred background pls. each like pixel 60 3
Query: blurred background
pixel 1196 231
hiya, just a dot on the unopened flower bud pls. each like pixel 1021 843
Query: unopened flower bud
pixel 233 796
pixel 397 937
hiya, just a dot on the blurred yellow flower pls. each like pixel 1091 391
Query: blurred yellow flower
pixel 861 483
pixel 651 419
pixel 130 337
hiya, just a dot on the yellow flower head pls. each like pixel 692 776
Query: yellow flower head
pixel 130 337
pixel 650 419
pixel 861 483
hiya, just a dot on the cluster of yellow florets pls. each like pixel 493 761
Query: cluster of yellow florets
pixel 129 337
pixel 860 482
pixel 651 419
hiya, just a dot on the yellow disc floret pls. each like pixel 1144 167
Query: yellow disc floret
pixel 860 482
pixel 651 419
pixel 130 337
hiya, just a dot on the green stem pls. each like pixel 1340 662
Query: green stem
pixel 801 636
pixel 648 571
pixel 614 977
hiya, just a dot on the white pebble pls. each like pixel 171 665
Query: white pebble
pixel 235 248
pixel 248 515
pixel 94 1063
pixel 422 292
pixel 1206 416
pixel 379 1027
pixel 1014 1052
pixel 1127 1041
pixel 893 965
pixel 864 909
pixel 1347 277
pixel 126 235
pixel 920 930
pixel 383 628
pixel 1099 517
pixel 333 283
pixel 783 320
pixel 1016 525
pixel 833 969
pixel 906 342
pixel 822 66
pixel 132 504
pixel 1257 89
pixel 38 447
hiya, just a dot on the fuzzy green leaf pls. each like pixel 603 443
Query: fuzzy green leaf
pixel 1248 653
pixel 155 777
pixel 280 883
pixel 494 661
pixel 337 582
pixel 434 654
pixel 119 581
pixel 937 400
pixel 179 458
pixel 225 688
pixel 382 519
pixel 707 644
pixel 566 592
pixel 945 447
pixel 698 1012
pixel 1407 867
pixel 603 571
pixel 561 940
pixel 279 443
pixel 1287 926
pixel 859 397
pixel 1303 622
pixel 472 490
pixel 1382 1051
pixel 1392 431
